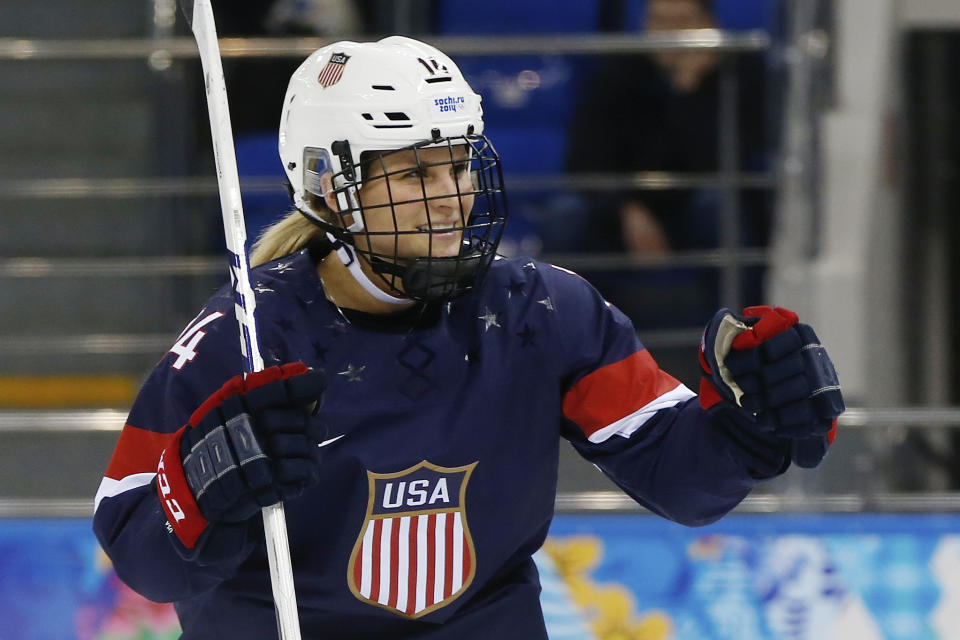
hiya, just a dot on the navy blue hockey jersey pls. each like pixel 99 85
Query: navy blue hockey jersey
pixel 443 486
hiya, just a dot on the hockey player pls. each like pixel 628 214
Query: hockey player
pixel 438 379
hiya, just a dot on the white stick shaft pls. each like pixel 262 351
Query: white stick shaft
pixel 274 520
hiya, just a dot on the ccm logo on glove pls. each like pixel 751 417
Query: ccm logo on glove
pixel 251 444
pixel 172 507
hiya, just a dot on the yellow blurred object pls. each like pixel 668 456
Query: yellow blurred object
pixel 610 607
pixel 59 392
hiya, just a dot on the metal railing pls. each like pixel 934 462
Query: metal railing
pixel 23 49
pixel 176 187
pixel 885 421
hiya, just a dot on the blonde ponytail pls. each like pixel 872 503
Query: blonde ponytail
pixel 291 233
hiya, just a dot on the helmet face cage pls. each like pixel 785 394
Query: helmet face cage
pixel 421 277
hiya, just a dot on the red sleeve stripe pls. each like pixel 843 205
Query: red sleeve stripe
pixel 619 391
pixel 625 427
pixel 137 451
pixel 134 462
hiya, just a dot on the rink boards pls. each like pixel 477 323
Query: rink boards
pixel 747 577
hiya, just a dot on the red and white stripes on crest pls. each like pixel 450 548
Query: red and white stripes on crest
pixel 410 563
pixel 331 74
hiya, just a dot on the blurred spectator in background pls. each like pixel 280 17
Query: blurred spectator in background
pixel 660 112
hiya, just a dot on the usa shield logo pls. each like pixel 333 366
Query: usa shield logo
pixel 331 74
pixel 414 553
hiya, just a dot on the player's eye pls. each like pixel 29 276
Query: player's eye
pixel 415 173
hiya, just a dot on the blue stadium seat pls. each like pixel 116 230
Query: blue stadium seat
pixel 536 149
pixel 528 149
pixel 257 157
pixel 507 17
pixel 523 89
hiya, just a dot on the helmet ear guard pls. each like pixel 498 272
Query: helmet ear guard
pixel 319 181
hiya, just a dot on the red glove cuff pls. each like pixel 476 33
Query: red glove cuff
pixel 239 384
pixel 183 515
pixel 708 395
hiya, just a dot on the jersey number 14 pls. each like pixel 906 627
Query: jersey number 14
pixel 186 346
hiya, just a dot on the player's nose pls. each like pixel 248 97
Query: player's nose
pixel 447 197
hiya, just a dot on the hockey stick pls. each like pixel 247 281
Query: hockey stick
pixel 199 14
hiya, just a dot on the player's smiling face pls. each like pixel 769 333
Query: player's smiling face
pixel 432 200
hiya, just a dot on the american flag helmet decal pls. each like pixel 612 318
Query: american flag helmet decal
pixel 333 71
pixel 414 553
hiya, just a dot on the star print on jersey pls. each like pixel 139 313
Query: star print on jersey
pixel 526 336
pixel 339 326
pixel 352 372
pixel 262 289
pixel 282 267
pixel 531 265
pixel 489 319
pixel 515 288
pixel 320 352
pixel 547 303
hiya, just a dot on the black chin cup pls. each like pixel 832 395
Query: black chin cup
pixel 431 279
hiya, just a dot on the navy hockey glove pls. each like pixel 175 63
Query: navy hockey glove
pixel 777 375
pixel 251 444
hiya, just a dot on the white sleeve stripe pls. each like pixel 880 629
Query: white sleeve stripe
pixel 626 426
pixel 110 487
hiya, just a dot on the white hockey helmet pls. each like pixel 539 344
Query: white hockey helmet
pixel 349 99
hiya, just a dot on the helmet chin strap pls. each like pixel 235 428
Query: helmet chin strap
pixel 352 263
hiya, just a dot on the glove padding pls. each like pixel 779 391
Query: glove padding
pixel 254 442
pixel 775 371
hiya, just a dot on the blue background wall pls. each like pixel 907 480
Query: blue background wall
pixel 748 576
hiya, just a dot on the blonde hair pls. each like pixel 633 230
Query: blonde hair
pixel 291 233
